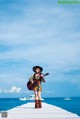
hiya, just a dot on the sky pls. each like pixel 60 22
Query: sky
pixel 44 33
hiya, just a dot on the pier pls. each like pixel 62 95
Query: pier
pixel 27 111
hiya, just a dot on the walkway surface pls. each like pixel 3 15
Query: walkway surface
pixel 27 111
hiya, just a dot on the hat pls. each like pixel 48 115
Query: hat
pixel 35 67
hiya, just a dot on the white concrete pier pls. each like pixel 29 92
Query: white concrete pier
pixel 27 111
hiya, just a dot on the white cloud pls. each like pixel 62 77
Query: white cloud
pixel 14 89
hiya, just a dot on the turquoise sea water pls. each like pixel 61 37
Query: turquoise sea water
pixel 72 105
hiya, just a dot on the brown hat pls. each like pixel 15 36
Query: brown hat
pixel 35 67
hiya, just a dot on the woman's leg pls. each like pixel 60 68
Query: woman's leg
pixel 36 99
pixel 36 95
pixel 39 97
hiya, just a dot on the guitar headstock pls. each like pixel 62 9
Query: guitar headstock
pixel 46 74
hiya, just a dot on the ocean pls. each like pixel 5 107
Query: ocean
pixel 72 105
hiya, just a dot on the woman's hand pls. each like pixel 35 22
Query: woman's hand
pixel 32 81
pixel 42 75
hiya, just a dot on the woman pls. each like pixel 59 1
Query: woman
pixel 38 77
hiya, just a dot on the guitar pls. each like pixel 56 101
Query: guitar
pixel 31 85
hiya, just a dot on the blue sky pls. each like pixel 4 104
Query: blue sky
pixel 39 32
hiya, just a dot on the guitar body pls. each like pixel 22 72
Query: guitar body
pixel 31 86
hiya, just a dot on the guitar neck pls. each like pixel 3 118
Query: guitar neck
pixel 46 74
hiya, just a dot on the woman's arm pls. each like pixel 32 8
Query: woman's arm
pixel 31 79
pixel 42 78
